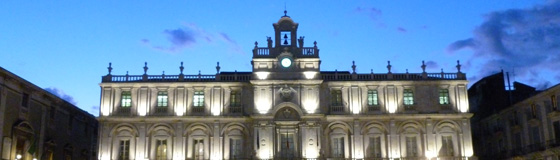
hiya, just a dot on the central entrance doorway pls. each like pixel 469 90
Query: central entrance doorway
pixel 287 136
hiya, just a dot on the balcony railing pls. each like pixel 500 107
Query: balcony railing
pixel 346 76
pixel 373 108
pixel 161 110
pixel 198 110
pixel 236 109
pixel 337 108
pixel 123 111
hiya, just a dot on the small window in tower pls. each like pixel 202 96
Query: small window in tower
pixel 286 38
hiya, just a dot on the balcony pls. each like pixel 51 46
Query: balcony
pixel 373 108
pixel 198 110
pixel 123 111
pixel 161 110
pixel 236 109
pixel 337 108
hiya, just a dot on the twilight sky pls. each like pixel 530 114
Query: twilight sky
pixel 65 47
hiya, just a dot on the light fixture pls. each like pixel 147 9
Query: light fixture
pixel 262 75
pixel 18 156
pixel 309 74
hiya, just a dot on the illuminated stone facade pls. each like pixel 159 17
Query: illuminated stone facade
pixel 286 108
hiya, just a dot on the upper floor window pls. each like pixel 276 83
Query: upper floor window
pixel 443 96
pixel 162 99
pixel 25 100
pixel 554 102
pixel 52 112
pixel 336 98
pixel 198 99
pixel 408 97
pixel 70 122
pixel 126 99
pixel 235 98
pixel 534 110
pixel 372 98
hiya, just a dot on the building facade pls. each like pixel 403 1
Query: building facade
pixel 36 124
pixel 285 108
pixel 526 129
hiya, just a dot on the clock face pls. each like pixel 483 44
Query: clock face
pixel 286 62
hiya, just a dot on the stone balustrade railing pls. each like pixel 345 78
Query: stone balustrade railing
pixel 247 76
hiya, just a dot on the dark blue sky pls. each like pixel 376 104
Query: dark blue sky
pixel 66 46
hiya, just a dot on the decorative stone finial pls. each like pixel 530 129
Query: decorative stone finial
pixel 145 67
pixel 442 70
pixel 109 68
pixel 181 68
pixel 389 66
pixel 314 43
pixel 256 44
pixel 218 68
pixel 458 67
pixel 199 72
pixel 126 72
pixel 353 67
pixel 423 67
pixel 406 71
pixel 371 71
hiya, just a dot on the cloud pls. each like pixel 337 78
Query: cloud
pixel 401 29
pixel 188 36
pixel 523 39
pixel 59 93
pixel 431 65
pixel 373 13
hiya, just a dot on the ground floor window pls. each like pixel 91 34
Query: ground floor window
pixel 235 148
pixel 338 147
pixel 161 149
pixel 124 149
pixel 198 149
pixel 374 147
pixel 411 147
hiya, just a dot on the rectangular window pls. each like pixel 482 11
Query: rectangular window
pixel 517 141
pixel 534 110
pixel 554 102
pixel 408 97
pixel 198 99
pixel 235 98
pixel 235 149
pixel 25 100
pixel 70 122
pixel 162 99
pixel 556 126
pixel 443 96
pixel 446 146
pixel 372 97
pixel 287 146
pixel 198 149
pixel 374 147
pixel 411 147
pixel 126 99
pixel 161 149
pixel 52 113
pixel 124 148
pixel 336 98
pixel 338 147
pixel 535 135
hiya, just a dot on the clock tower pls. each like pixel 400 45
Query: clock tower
pixel 285 58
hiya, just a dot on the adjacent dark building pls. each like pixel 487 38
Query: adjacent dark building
pixel 36 124
pixel 514 123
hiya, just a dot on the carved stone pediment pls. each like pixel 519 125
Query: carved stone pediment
pixel 286 93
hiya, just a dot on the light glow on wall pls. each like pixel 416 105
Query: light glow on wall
pixel 312 152
pixel 309 74
pixel 310 105
pixel 391 107
pixel 264 154
pixel 262 75
pixel 430 154
pixel 263 105
pixel 179 110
